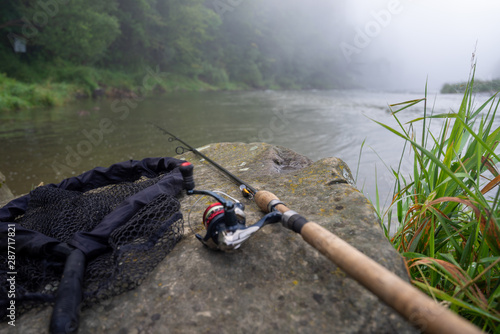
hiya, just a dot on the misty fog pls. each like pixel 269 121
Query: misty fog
pixel 421 39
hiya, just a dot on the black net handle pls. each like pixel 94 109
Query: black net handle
pixel 65 316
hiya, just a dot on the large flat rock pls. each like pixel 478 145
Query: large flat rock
pixel 276 282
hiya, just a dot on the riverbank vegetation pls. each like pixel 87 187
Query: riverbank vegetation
pixel 79 47
pixel 16 95
pixel 448 209
pixel 484 86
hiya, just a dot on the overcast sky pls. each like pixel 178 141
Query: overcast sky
pixel 420 39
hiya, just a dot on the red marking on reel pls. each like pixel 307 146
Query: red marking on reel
pixel 211 212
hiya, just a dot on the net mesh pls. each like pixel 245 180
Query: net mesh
pixel 136 247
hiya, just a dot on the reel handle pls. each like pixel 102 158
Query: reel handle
pixel 415 306
pixel 186 169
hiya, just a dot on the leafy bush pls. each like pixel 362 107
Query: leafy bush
pixel 214 75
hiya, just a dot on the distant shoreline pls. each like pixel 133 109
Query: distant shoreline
pixel 487 86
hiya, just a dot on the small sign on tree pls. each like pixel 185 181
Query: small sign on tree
pixel 18 43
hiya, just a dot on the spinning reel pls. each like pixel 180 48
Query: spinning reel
pixel 225 220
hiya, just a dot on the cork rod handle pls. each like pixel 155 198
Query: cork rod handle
pixel 415 306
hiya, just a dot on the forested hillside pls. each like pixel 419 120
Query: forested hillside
pixel 221 43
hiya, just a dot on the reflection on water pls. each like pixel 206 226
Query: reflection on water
pixel 49 145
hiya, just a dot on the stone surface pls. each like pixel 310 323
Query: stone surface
pixel 276 282
pixel 5 193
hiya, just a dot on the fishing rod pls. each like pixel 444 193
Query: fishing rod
pixel 223 225
pixel 246 189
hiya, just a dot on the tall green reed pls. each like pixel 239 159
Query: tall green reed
pixel 448 222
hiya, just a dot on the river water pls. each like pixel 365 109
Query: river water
pixel 47 145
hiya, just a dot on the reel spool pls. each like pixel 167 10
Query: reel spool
pixel 212 212
pixel 220 220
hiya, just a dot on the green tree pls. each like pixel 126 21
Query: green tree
pixel 131 48
pixel 10 24
pixel 185 27
pixel 168 33
pixel 288 43
pixel 79 31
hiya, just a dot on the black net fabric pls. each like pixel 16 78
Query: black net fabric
pixel 136 247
